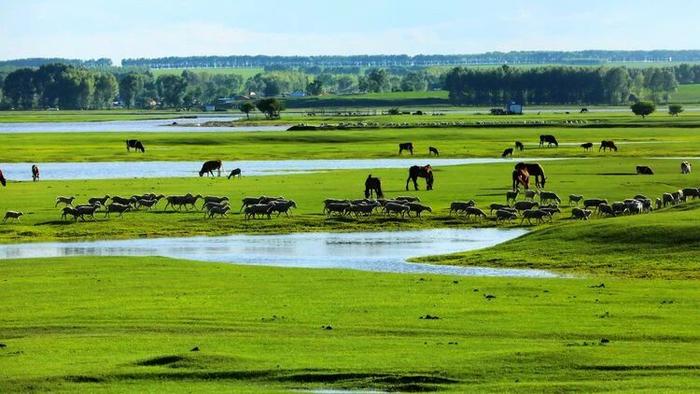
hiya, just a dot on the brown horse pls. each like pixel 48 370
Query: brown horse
pixel 521 177
pixel 209 166
pixel 2 179
pixel 373 184
pixel 525 170
pixel 416 172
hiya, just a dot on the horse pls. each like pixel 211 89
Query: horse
pixel 35 173
pixel 234 172
pixel 136 145
pixel 423 172
pixel 507 152
pixel 3 182
pixel 433 150
pixel 373 184
pixel 549 139
pixel 532 169
pixel 406 146
pixel 604 145
pixel 209 166
pixel 521 177
pixel 519 146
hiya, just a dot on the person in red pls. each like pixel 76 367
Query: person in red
pixel 35 172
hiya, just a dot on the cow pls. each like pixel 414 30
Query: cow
pixel 136 145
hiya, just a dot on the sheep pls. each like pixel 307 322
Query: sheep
pixel 668 199
pixel 496 206
pixel 12 215
pixel 396 208
pixel 593 202
pixel 208 206
pixel 460 206
pixel 504 215
pixel 336 207
pixel 123 200
pixel 116 207
pixel 537 214
pixel 268 199
pixel 146 203
pixel 98 200
pixel 575 198
pixel 88 210
pixel 360 209
pixel 407 198
pixel 283 206
pixel 530 194
pixel 476 212
pixel 525 205
pixel 218 210
pixel 550 210
pixel 605 209
pixel 580 214
pixel 512 195
pixel 64 200
pixel 215 199
pixel 69 211
pixel 252 211
pixel 418 208
pixel 549 196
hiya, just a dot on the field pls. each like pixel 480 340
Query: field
pixel 622 316
pixel 687 94
pixel 245 72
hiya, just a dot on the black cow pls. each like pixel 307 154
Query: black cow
pixel 135 145
pixel 406 146
pixel 549 139
pixel 433 150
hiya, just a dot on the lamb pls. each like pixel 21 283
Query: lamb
pixel 530 194
pixel 512 196
pixel 549 196
pixel 116 207
pixel 209 205
pixel 64 200
pixel 12 215
pixel 69 211
pixel 396 208
pixel 146 203
pixel 252 211
pixel 537 214
pixel 575 198
pixel 593 202
pixel 218 210
pixel 336 207
pixel 360 209
pixel 504 215
pixel 476 212
pixel 408 198
pixel 496 206
pixel 418 208
pixel 580 214
pixel 283 207
pixel 525 205
pixel 550 210
pixel 460 206
pixel 88 210
pixel 98 200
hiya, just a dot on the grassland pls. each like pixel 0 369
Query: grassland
pixel 245 72
pixel 687 94
pixel 86 116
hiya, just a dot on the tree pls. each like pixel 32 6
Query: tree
pixel 643 108
pixel 314 88
pixel 376 80
pixel 171 89
pixel 675 109
pixel 246 108
pixel 19 88
pixel 105 90
pixel 271 107
pixel 130 87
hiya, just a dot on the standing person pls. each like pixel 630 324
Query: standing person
pixel 35 172
pixel 2 179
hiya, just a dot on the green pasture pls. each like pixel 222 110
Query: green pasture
pixel 86 116
pixel 687 94
pixel 245 72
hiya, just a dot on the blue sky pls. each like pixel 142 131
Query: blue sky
pixel 143 28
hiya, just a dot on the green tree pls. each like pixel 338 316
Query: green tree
pixel 106 89
pixel 19 88
pixel 314 88
pixel 271 107
pixel 246 108
pixel 675 109
pixel 376 80
pixel 171 90
pixel 643 108
pixel 130 87
pixel 414 82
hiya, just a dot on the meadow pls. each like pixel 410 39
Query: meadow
pixel 621 317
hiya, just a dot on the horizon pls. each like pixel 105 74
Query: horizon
pixel 74 30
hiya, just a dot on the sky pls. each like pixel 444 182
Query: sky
pixel 119 29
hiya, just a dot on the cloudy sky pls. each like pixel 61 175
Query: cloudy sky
pixel 143 28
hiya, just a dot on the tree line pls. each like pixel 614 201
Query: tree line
pixel 559 85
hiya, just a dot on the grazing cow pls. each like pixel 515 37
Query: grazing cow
pixel 3 181
pixel 549 139
pixel 433 151
pixel 677 196
pixel 283 207
pixel 691 192
pixel 35 173
pixel 476 212
pixel 659 203
pixel 418 208
pixel 221 211
pixel 406 146
pixel 580 214
pixel 549 196
pixel 634 206
pixel 507 152
pixel 373 185
pixel 210 166
pixel 503 215
pixel 252 211
pixel 136 145
pixel 519 146
pixel 234 172
pixel 583 111
pixel 668 199
pixel 460 206
pixel 686 168
pixel 512 195
pixel 644 170
pixel 12 215
pixel 116 207
pixel 415 172
pixel 605 209
pixel 593 202
pixel 607 145
pixel 397 209
pixel 64 200
pixel 537 214
pixel 587 146
pixel 575 198
pixel 525 205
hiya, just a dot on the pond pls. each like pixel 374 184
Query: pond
pixel 173 169
pixel 366 251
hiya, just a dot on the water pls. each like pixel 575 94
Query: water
pixel 148 126
pixel 366 251
pixel 172 169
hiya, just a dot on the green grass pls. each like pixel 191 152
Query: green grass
pixel 128 324
pixel 86 116
pixel 245 72
pixel 687 94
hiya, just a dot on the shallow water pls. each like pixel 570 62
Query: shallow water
pixel 366 251
pixel 151 125
pixel 173 169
